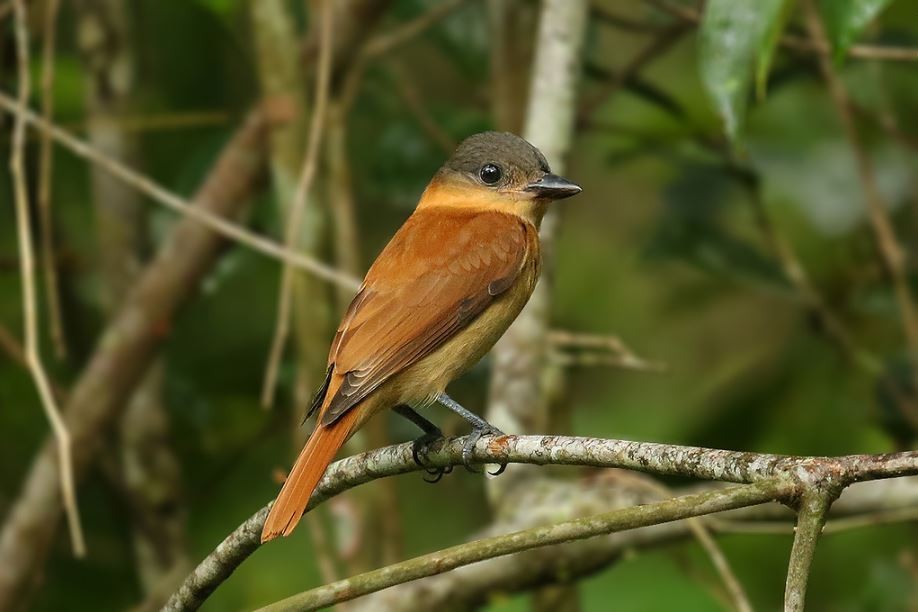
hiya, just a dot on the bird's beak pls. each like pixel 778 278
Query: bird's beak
pixel 553 187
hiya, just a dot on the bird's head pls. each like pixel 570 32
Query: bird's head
pixel 497 171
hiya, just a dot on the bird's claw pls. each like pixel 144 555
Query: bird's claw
pixel 419 450
pixel 469 447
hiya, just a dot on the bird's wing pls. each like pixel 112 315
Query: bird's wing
pixel 440 271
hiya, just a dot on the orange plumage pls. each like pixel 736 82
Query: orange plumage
pixel 440 294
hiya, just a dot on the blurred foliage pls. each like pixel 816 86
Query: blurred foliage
pixel 738 41
pixel 846 19
pixel 662 248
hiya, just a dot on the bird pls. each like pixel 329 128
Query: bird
pixel 437 298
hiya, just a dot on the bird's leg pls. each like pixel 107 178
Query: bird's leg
pixel 480 428
pixel 419 447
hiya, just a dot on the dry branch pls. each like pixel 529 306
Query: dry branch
pixel 730 466
pixel 298 207
pixel 657 513
pixel 160 194
pixel 469 587
pixel 45 173
pixel 62 436
pixel 141 461
pixel 123 354
pixel 810 520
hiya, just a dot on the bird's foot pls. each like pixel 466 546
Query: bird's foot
pixel 419 451
pixel 478 432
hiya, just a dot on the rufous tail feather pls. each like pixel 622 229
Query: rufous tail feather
pixel 309 468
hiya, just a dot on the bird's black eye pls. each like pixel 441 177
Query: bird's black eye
pixel 489 174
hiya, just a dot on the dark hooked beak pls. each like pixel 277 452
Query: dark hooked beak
pixel 553 187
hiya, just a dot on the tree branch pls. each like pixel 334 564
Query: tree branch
pixel 61 432
pixel 298 207
pixel 158 193
pixel 124 352
pixel 561 499
pixel 45 173
pixel 810 521
pixel 661 459
pixel 729 498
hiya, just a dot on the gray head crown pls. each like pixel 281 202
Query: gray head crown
pixel 517 160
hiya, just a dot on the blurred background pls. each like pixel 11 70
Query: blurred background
pixel 703 290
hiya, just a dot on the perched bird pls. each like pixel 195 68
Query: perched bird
pixel 437 298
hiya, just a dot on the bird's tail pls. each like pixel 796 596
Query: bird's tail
pixel 309 468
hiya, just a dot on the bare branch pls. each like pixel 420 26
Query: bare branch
pixel 700 530
pixel 160 194
pixel 554 500
pixel 464 554
pixel 125 350
pixel 29 305
pixel 386 42
pixel 151 122
pixel 811 518
pixel 45 166
pixel 657 47
pixel 607 351
pixel 295 218
pixel 661 459
pixel 407 90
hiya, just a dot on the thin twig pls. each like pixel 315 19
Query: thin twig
pixel 12 347
pixel 386 42
pixel 406 89
pixel 340 194
pixel 45 166
pixel 124 351
pixel 621 22
pixel 797 276
pixel 797 43
pixel 160 194
pixel 611 351
pixel 810 520
pixel 838 525
pixel 567 531
pixel 303 188
pixel 885 517
pixel 29 305
pixel 700 530
pixel 17 354
pixel 151 122
pixel 323 550
pixel 890 251
pixel 657 47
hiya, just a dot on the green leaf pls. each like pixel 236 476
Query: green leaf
pixel 737 37
pixel 846 20
pixel 773 33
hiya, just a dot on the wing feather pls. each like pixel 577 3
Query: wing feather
pixel 440 271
